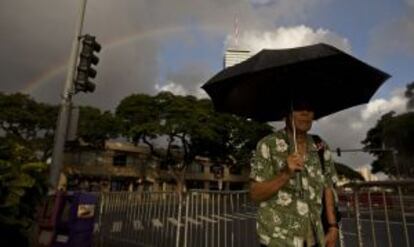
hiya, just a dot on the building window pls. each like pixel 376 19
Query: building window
pixel 217 170
pixel 120 160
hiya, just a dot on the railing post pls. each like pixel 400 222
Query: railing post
pixel 357 217
pixel 180 202
pixel 407 237
pixel 212 224
pixel 101 212
pixel 387 220
pixel 341 237
pixel 187 199
pixel 232 223
pixel 225 222
pixel 371 217
pixel 218 213
pixel 206 215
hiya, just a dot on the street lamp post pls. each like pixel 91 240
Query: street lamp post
pixel 65 104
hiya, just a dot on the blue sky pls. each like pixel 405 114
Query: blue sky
pixel 358 21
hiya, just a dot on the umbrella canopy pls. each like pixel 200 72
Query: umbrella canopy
pixel 264 86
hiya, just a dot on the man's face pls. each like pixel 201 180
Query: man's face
pixel 303 119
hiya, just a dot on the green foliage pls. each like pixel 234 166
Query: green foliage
pixel 190 124
pixel 95 126
pixel 393 132
pixel 26 122
pixel 23 184
pixel 27 129
pixel 139 116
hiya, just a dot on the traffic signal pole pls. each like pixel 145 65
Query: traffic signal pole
pixel 65 104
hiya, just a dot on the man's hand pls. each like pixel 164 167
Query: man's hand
pixel 331 237
pixel 295 163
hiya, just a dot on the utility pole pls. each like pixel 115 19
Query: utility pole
pixel 65 104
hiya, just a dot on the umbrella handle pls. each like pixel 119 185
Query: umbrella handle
pixel 298 175
pixel 295 144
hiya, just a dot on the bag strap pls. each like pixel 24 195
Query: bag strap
pixel 321 150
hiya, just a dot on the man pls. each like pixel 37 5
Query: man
pixel 290 208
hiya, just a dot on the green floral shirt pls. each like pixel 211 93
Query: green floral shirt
pixel 283 220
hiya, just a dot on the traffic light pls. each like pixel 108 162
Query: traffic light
pixel 86 60
pixel 338 152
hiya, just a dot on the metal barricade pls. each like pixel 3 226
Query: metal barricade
pixel 138 219
pixel 196 218
pixel 373 214
pixel 378 213
pixel 222 219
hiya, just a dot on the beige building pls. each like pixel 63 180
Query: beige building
pixel 124 166
pixel 235 56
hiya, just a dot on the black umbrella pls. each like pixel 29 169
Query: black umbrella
pixel 264 86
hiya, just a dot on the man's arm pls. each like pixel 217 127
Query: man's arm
pixel 262 191
pixel 333 230
pixel 330 206
pixel 332 233
pixel 329 191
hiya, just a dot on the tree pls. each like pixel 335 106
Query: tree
pixel 95 126
pixel 23 184
pixel 27 123
pixel 189 123
pixel 26 138
pixel 190 128
pixel 140 119
pixel 392 132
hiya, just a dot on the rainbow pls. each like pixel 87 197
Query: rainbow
pixel 59 69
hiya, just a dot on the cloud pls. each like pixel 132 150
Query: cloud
pixel 178 89
pixel 346 129
pixel 378 107
pixel 188 79
pixel 172 87
pixel 289 37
